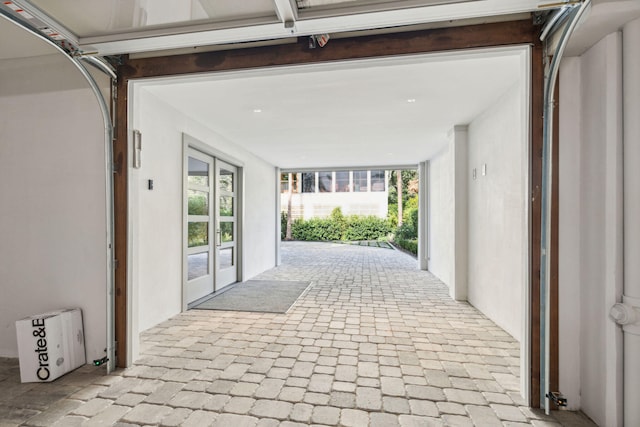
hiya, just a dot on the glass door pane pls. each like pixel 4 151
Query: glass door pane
pixel 198 246
pixel 226 224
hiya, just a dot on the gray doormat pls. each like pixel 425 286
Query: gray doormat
pixel 265 296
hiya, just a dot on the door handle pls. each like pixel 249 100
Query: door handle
pixel 218 237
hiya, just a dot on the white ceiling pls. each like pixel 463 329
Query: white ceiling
pixel 363 113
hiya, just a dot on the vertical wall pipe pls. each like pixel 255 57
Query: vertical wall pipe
pixel 631 141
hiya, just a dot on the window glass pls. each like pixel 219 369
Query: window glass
pixel 226 231
pixel 197 265
pixel 198 234
pixel 325 182
pixel 377 180
pixel 284 182
pixel 198 202
pixel 226 180
pixel 198 172
pixel 226 206
pixel 360 181
pixel 226 258
pixel 309 182
pixel 342 181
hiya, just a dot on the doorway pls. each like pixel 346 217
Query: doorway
pixel 427 41
pixel 210 225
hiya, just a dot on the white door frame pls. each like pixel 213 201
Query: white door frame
pixel 189 142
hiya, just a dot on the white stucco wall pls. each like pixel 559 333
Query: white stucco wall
pixel 591 229
pixel 52 187
pixel 156 214
pixel 497 206
pixel 448 213
pixel 320 205
pixel 569 271
pixel 441 214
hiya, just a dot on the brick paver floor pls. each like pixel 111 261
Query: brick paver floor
pixel 372 342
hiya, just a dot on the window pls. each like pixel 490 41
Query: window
pixel 309 182
pixel 342 182
pixel 284 182
pixel 360 181
pixel 325 182
pixel 377 180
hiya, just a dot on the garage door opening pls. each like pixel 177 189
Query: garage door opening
pixel 386 112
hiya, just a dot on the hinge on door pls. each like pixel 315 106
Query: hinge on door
pixel 115 264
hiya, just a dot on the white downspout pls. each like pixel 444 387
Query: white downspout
pixel 627 313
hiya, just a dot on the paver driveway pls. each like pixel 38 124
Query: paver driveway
pixel 373 342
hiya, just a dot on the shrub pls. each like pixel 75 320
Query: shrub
pixel 315 229
pixel 408 245
pixel 406 232
pixel 338 227
pixel 366 228
pixel 283 225
pixel 392 215
pixel 339 219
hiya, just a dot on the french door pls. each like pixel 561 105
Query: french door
pixel 210 225
pixel 226 216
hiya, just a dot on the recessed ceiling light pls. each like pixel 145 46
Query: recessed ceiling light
pixel 257 110
pixel 411 100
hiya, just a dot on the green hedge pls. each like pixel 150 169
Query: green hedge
pixel 408 245
pixel 338 227
pixel 365 228
pixel 315 229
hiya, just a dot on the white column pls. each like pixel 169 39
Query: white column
pixel 631 132
pixel 278 215
pixel 423 216
pixel 461 194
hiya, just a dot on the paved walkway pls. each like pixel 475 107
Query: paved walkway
pixel 373 342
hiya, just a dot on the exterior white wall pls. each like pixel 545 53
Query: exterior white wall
pixel 320 205
pixel 156 215
pixel 497 209
pixel 448 213
pixel 52 187
pixel 591 231
pixel 441 248
pixel 458 290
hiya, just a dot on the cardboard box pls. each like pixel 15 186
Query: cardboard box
pixel 50 345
